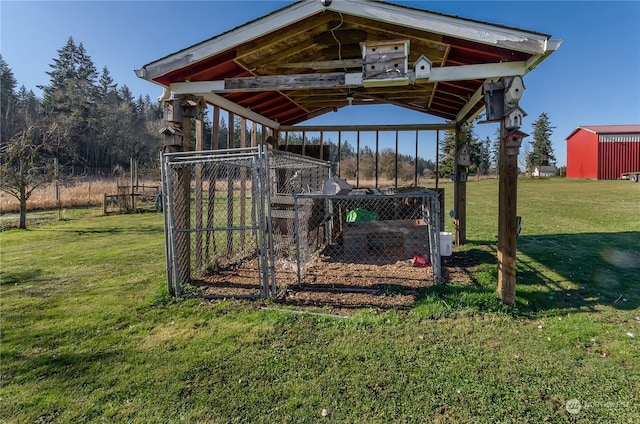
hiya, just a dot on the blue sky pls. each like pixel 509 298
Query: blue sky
pixel 593 78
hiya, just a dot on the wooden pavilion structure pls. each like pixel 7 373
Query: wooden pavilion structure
pixel 314 57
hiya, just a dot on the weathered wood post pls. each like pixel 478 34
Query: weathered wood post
pixel 243 182
pixel 507 210
pixel 511 139
pixel 200 109
pixel 177 132
pixel 213 177
pixel 460 185
pixel 230 179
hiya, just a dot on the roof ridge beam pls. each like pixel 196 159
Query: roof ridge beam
pixel 343 79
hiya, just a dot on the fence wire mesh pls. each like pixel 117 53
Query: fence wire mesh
pixel 368 240
pixel 253 222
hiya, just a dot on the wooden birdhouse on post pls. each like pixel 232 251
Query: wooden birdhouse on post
pixel 494 100
pixel 173 136
pixel 513 90
pixel 513 141
pixel 513 118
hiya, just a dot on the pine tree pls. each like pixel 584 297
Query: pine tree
pixel 541 149
pixel 447 153
pixel 72 94
pixel 485 157
pixel 495 151
pixel 8 85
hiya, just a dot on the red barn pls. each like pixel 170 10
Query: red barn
pixel 603 152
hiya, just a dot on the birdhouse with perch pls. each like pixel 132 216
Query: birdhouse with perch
pixel 513 118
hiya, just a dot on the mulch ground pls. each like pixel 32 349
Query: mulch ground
pixel 335 286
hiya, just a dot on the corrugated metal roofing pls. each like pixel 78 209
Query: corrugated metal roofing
pixel 608 129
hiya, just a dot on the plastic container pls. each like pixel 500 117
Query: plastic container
pixel 361 215
pixel 446 244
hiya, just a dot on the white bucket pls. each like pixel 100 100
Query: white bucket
pixel 446 245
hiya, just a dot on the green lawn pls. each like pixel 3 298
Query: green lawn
pixel 89 334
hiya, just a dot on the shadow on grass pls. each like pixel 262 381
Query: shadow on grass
pixel 594 269
pixel 19 277
pixel 560 272
pixel 63 364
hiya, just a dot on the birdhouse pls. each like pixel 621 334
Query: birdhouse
pixel 494 100
pixel 192 106
pixel 513 118
pixel 422 68
pixel 173 136
pixel 513 141
pixel 514 88
pixel 385 63
pixel 463 158
pixel 173 110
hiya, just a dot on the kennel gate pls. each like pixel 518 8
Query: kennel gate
pixel 229 218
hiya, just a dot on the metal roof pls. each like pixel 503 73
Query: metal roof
pixel 608 129
pixel 309 39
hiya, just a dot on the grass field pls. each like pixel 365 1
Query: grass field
pixel 90 335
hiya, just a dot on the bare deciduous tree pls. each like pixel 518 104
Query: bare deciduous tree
pixel 28 160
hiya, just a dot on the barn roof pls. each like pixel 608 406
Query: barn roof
pixel 306 59
pixel 608 129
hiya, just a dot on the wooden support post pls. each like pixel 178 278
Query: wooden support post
pixel 460 189
pixel 358 160
pixel 339 151
pixel 254 134
pixel 304 143
pixel 377 157
pixel 182 218
pixel 199 128
pixel 213 177
pixel 507 220
pixel 230 178
pixel 415 172
pixel 243 182
pixel 396 164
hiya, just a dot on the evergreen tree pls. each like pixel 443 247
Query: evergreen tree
pixel 72 94
pixel 8 85
pixel 495 151
pixel 485 157
pixel 475 151
pixel 447 154
pixel 108 89
pixel 541 149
